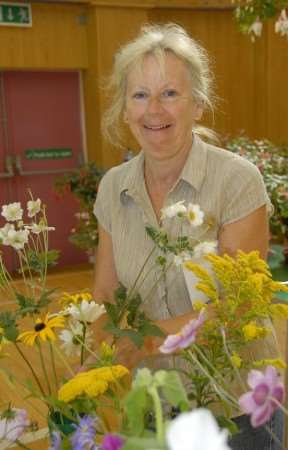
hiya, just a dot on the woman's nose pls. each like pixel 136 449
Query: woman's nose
pixel 154 105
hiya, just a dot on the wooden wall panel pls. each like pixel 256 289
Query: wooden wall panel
pixel 277 82
pixel 237 63
pixel 55 41
pixel 111 28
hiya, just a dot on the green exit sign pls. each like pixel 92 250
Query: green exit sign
pixel 15 14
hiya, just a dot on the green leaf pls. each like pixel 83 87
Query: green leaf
pixel 134 336
pixel 11 333
pixel 8 323
pixel 112 311
pixel 144 377
pixel 37 261
pixel 231 426
pixel 113 329
pixel 150 329
pixel 142 444
pixel 173 389
pixel 135 406
pixel 120 294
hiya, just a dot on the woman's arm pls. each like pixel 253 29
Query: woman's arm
pixel 105 278
pixel 247 234
pixel 105 282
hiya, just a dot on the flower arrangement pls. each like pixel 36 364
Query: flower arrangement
pixel 98 407
pixel 83 184
pixel 272 162
pixel 250 15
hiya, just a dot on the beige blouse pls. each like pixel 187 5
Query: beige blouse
pixel 226 186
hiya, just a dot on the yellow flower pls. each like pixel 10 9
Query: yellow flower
pixel 42 329
pixel 252 331
pixel 208 290
pixel 277 362
pixel 279 310
pixel 107 351
pixel 236 360
pixel 92 383
pixel 198 305
pixel 67 298
pixel 198 270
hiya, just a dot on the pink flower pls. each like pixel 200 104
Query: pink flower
pixel 12 427
pixel 260 402
pixel 185 337
pixel 112 442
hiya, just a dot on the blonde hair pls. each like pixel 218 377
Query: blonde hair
pixel 156 40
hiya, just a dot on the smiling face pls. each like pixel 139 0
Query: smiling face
pixel 160 108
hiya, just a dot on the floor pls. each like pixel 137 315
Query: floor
pixel 70 281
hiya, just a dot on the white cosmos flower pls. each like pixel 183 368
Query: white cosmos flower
pixel 70 339
pixel 12 212
pixel 195 215
pixel 281 25
pixel 85 311
pixel 17 239
pixel 4 231
pixel 38 228
pixel 196 430
pixel 177 209
pixel 204 248
pixel 33 207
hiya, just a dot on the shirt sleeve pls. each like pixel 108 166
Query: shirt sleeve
pixel 103 203
pixel 243 191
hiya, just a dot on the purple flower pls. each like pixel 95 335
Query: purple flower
pixel 13 424
pixel 112 442
pixel 267 392
pixel 55 441
pixel 185 337
pixel 84 436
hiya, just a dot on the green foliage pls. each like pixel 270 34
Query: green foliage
pixel 83 184
pixel 150 395
pixel 247 12
pixel 8 323
pixel 127 319
pixel 31 305
pixel 272 161
pixel 37 261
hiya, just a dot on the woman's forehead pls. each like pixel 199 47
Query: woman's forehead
pixel 153 67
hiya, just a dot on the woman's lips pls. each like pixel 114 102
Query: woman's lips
pixel 157 127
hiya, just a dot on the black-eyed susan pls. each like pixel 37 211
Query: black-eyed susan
pixel 92 383
pixel 42 329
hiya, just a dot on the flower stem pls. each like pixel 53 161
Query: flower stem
pixel 43 366
pixel 31 368
pixel 140 271
pixel 53 365
pixel 218 388
pixel 82 346
pixel 64 360
pixel 158 414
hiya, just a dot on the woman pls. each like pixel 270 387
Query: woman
pixel 163 84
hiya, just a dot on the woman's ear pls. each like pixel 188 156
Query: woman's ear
pixel 198 110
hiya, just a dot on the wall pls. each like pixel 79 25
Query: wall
pixel 250 78
pixel 57 40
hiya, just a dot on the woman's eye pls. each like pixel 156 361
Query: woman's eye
pixel 169 93
pixel 139 95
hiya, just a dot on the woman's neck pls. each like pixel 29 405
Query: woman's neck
pixel 165 173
